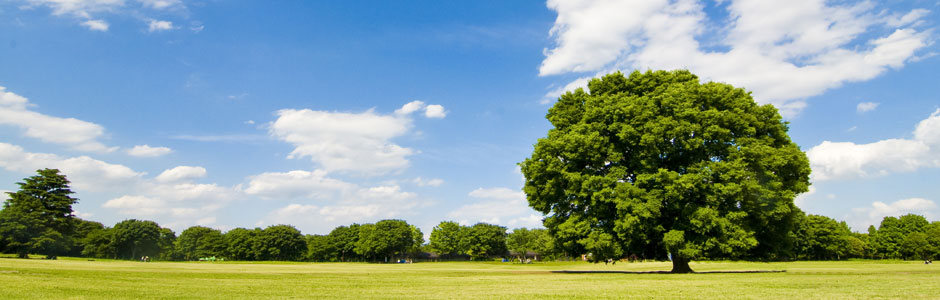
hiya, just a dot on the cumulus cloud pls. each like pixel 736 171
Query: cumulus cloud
pixel 157 25
pixel 148 151
pixel 872 215
pixel 782 51
pixel 71 132
pixel 841 160
pixel 866 107
pixel 295 184
pixel 348 142
pixel 362 205
pixel 497 206
pixel 181 173
pixel 85 172
pixel 435 111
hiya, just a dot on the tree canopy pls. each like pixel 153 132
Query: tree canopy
pixel 659 163
pixel 38 217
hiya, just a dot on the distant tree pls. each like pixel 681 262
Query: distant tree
pixel 385 239
pixel 282 243
pixel 544 244
pixel 484 240
pixel 99 243
pixel 38 217
pixel 932 233
pixel 167 244
pixel 133 239
pixel 521 241
pixel 915 246
pixel 657 162
pixel 82 229
pixel 320 248
pixel 242 244
pixel 888 240
pixel 198 242
pixel 821 237
pixel 343 240
pixel 417 241
pixel 445 238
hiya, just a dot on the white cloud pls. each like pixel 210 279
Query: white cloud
pixel 865 216
pixel 347 142
pixel 78 8
pixel 410 107
pixel 85 173
pixel 181 173
pixel 496 206
pixel 363 205
pixel 295 184
pixel 170 196
pixel 912 17
pixel 801 199
pixel 137 205
pixel 161 4
pixel 428 182
pixel 782 51
pixel 147 151
pixel 435 111
pixel 91 10
pixel 866 107
pixel 96 25
pixel 157 25
pixel 77 134
pixel 840 160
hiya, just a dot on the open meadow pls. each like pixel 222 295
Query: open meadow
pixel 69 278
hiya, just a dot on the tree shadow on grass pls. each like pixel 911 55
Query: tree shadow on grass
pixel 665 272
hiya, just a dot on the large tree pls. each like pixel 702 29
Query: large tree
pixel 484 240
pixel 445 238
pixel 657 163
pixel 385 239
pixel 133 239
pixel 280 242
pixel 38 217
pixel 198 242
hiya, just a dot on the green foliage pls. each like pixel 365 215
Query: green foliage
pixel 199 242
pixel 821 237
pixel 38 217
pixel 385 239
pixel 343 239
pixel 483 240
pixel 445 238
pixel 642 156
pixel 241 243
pixel 320 248
pixel 99 243
pixel 133 239
pixel 280 242
pixel 521 241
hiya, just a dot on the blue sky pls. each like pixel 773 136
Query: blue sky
pixel 240 114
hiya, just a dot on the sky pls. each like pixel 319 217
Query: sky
pixel 324 113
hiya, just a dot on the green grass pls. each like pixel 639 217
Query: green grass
pixel 72 278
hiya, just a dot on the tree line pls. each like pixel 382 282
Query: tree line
pixel 38 219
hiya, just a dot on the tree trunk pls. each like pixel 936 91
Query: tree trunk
pixel 680 265
pixel 23 254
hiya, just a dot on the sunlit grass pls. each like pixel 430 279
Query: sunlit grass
pixel 72 278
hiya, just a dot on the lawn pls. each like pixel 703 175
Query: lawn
pixel 82 279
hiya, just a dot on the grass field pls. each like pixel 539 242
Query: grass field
pixel 82 279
